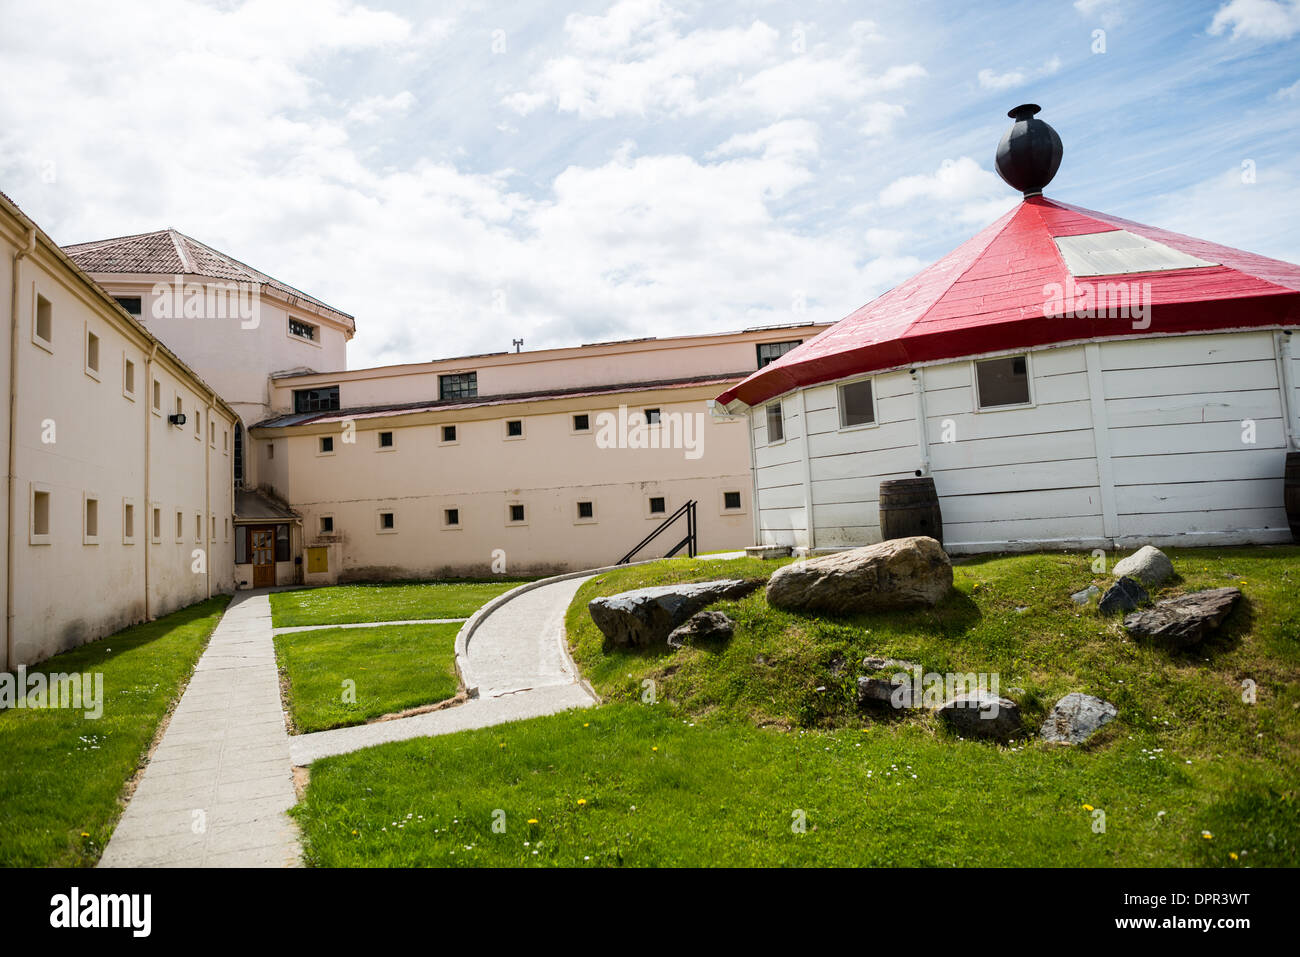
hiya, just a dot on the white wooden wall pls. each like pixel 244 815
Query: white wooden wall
pixel 1125 442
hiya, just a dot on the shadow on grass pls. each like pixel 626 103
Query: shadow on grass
pixel 89 656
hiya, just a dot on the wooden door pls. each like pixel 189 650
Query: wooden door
pixel 261 543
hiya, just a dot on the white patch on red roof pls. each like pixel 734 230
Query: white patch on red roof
pixel 1117 252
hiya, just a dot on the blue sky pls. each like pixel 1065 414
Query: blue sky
pixel 458 175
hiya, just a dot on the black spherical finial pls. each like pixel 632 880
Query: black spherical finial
pixel 1030 151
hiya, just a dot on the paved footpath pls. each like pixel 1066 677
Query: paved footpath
pixel 517 661
pixel 217 788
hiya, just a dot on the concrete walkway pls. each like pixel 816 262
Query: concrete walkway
pixel 217 788
pixel 517 661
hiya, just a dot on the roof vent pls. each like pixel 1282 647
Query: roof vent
pixel 1029 153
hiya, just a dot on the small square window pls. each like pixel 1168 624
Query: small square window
pixel 302 330
pixel 385 440
pixel 658 505
pixel 856 407
pixel 387 521
pixel 775 424
pixel 132 304
pixel 731 500
pixel 92 354
pixel 43 323
pixel 326 444
pixel 1003 381
pixel 586 510
pixel 451 517
pixel 516 513
pixel 652 417
pixel 327 524
pixel 514 428
pixel 448 434
pixel 582 423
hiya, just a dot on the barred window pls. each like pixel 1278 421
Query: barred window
pixel 303 330
pixel 461 385
pixel 316 400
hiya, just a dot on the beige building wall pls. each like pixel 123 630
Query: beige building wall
pixel 333 465
pixel 92 457
pixel 236 356
pixel 513 373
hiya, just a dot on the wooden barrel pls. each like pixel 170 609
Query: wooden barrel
pixel 909 507
pixel 1291 494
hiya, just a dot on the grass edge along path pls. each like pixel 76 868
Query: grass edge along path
pixel 64 776
pixel 337 677
pixel 385 601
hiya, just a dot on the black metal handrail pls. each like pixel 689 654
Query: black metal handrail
pixel 690 540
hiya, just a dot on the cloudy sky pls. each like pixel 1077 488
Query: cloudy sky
pixel 457 175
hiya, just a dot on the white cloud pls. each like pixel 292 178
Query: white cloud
pixel 375 108
pixel 1291 92
pixel 880 118
pixel 955 181
pixel 1109 12
pixel 633 60
pixel 992 80
pixel 1258 19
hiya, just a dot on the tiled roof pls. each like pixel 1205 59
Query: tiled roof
pixel 410 408
pixel 170 252
pixel 989 295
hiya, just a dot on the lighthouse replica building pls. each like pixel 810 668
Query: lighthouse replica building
pixel 1067 379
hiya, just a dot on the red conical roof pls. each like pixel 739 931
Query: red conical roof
pixel 989 295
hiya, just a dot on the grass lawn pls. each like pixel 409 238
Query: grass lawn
pixel 63 773
pixel 394 667
pixel 398 601
pixel 750 733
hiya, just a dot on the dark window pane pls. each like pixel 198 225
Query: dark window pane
pixel 585 510
pixel 131 304
pixel 775 424
pixel 768 351
pixel 461 385
pixel 241 541
pixel 386 520
pixel 327 443
pixel 855 404
pixel 302 329
pixel 316 400
pixel 657 505
pixel 1002 381
pixel 453 516
pixel 731 500
pixel 282 543
pixel 449 433
pixel 652 417
pixel 327 524
pixel 385 440
pixel 516 513
pixel 581 423
pixel 515 427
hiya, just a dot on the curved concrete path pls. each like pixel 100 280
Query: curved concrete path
pixel 512 652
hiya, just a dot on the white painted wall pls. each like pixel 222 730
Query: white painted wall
pixel 1124 441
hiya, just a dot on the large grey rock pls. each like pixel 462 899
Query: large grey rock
pixel 1124 595
pixel 1184 621
pixel 1076 718
pixel 1148 564
pixel 701 628
pixel 646 616
pixel 899 573
pixel 981 714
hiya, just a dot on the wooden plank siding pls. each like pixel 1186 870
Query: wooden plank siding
pixel 1167 414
